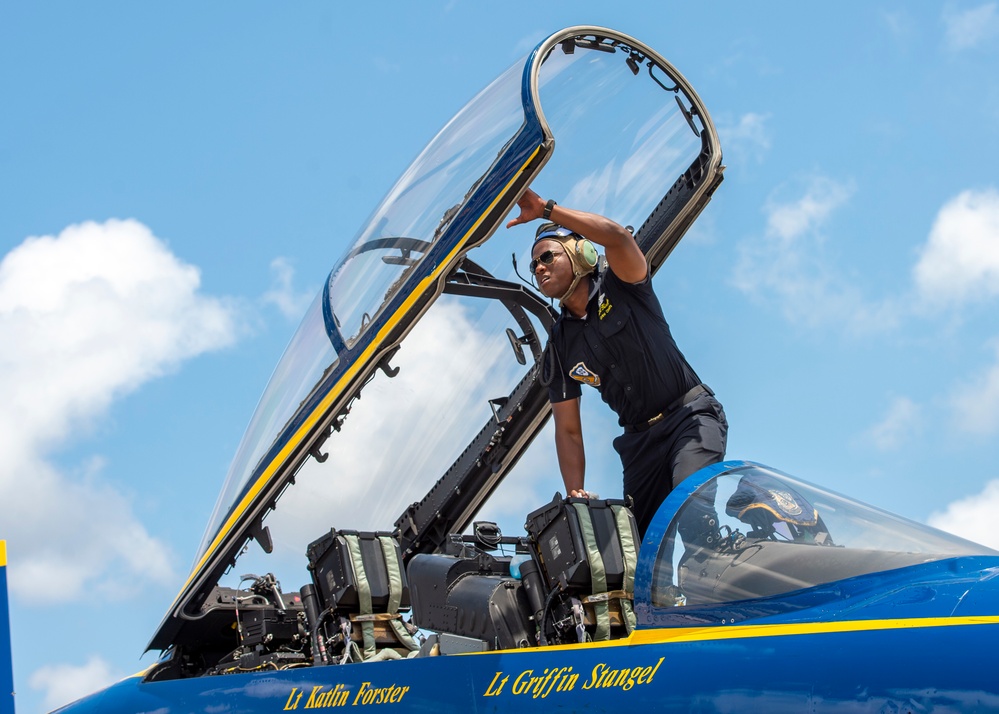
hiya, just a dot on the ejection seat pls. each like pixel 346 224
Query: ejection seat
pixel 362 590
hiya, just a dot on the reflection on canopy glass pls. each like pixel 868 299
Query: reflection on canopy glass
pixel 754 532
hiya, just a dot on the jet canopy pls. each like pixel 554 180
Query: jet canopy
pixel 425 314
pixel 736 540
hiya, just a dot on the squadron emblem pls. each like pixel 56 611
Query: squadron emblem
pixel 582 373
pixel 786 502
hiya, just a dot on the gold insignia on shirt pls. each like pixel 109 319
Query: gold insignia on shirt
pixel 604 309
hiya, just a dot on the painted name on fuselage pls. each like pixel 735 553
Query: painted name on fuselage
pixel 340 696
pixel 529 683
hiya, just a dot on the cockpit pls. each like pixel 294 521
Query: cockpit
pixel 751 533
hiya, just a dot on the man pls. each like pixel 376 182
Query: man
pixel 613 336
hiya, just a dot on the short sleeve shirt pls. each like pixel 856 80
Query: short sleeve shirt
pixel 623 348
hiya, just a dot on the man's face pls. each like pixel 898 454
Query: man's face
pixel 553 278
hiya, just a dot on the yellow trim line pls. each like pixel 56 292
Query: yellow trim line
pixel 734 632
pixel 666 635
pixel 3 553
pixel 337 389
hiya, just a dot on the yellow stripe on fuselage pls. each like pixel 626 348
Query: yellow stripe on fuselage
pixel 335 392
pixel 669 635
pixel 733 632
pixel 3 554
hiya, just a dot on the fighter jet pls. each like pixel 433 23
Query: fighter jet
pixel 352 559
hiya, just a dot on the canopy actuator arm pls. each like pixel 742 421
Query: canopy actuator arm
pixel 473 281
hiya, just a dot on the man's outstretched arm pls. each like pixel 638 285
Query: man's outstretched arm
pixel 624 256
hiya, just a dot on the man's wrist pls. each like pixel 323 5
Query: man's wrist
pixel 547 213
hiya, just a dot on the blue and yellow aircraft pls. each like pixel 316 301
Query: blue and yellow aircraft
pixel 786 597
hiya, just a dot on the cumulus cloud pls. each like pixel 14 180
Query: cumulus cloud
pixel 85 317
pixel 789 221
pixel 747 137
pixel 788 263
pixel 972 517
pixel 966 29
pixel 65 683
pixel 282 293
pixel 960 261
pixel 902 421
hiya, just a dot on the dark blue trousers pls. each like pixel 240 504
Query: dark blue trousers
pixel 656 460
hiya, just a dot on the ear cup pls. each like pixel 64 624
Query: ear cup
pixel 586 253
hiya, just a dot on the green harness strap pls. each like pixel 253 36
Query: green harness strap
pixel 363 594
pixel 630 554
pixel 598 574
pixel 395 592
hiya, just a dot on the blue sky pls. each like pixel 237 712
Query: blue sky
pixel 176 180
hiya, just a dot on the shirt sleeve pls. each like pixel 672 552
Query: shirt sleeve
pixel 642 288
pixel 563 388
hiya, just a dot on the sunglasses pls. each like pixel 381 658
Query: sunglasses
pixel 546 258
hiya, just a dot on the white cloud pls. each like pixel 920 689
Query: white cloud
pixel 282 294
pixel 788 264
pixel 960 261
pixel 748 137
pixel 900 424
pixel 65 683
pixel 790 221
pixel 973 517
pixel 966 29
pixel 976 405
pixel 85 317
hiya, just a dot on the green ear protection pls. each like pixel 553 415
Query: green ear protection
pixel 586 253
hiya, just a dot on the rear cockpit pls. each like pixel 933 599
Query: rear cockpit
pixel 569 580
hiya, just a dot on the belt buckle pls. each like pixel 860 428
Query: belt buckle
pixel 656 419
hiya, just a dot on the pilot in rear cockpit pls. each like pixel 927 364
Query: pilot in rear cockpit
pixel 612 335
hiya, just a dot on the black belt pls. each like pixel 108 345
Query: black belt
pixel 676 404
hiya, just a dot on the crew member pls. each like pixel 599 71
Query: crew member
pixel 612 335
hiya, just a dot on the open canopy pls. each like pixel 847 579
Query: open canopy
pixel 422 450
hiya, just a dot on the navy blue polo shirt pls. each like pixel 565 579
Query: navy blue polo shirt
pixel 623 348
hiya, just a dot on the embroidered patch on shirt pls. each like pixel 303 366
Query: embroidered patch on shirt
pixel 605 308
pixel 582 373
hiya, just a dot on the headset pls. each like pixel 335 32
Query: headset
pixel 582 253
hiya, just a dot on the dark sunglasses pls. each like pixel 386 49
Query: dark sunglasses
pixel 546 258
